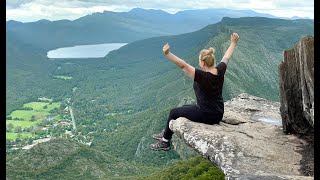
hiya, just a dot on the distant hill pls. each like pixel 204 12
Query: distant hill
pixel 107 27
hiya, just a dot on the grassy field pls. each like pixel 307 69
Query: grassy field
pixel 64 77
pixel 27 114
pixel 57 118
pixel 38 106
pixel 15 135
pixel 22 124
pixel 38 111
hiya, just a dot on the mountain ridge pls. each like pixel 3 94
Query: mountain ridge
pixel 109 27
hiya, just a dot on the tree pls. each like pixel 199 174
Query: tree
pixel 17 129
pixel 33 118
pixel 8 143
pixel 30 140
pixel 18 139
pixel 36 130
pixel 44 123
pixel 28 129
pixel 45 107
pixel 10 127
pixel 9 118
pixel 54 110
pixel 63 106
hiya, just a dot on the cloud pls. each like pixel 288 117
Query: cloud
pixel 56 10
pixel 290 4
pixel 16 3
pixel 32 10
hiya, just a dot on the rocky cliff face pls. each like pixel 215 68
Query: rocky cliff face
pixel 296 87
pixel 249 143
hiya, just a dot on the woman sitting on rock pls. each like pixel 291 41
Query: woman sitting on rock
pixel 208 83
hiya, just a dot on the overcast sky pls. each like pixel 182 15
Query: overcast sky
pixel 33 10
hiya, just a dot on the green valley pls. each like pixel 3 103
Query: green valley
pixel 36 120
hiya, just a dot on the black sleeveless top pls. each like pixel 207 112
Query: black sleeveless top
pixel 208 89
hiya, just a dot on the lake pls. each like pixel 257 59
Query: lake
pixel 84 51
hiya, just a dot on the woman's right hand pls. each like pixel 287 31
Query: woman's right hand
pixel 166 49
pixel 234 38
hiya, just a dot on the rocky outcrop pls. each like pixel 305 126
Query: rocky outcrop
pixel 249 143
pixel 296 87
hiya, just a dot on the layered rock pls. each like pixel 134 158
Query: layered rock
pixel 249 143
pixel 296 87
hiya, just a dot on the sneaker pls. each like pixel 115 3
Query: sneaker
pixel 160 145
pixel 158 136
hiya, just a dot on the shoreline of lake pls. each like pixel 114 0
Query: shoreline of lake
pixel 84 51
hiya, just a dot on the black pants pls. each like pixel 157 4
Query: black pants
pixel 193 113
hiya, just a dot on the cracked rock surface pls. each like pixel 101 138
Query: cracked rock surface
pixel 249 143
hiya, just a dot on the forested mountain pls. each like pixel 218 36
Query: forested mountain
pixel 122 99
pixel 64 159
pixel 124 27
pixel 253 68
pixel 27 74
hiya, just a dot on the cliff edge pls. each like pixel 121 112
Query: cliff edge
pixel 296 87
pixel 249 143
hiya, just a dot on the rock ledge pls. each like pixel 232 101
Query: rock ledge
pixel 249 143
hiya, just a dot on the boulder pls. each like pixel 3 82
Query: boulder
pixel 296 87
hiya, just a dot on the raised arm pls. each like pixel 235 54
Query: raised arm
pixel 187 68
pixel 234 40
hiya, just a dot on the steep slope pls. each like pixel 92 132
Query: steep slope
pixel 28 75
pixel 24 64
pixel 192 168
pixel 117 26
pixel 64 159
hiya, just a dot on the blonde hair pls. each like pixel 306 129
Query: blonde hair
pixel 207 55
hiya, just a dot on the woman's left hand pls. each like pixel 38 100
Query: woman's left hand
pixel 166 49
